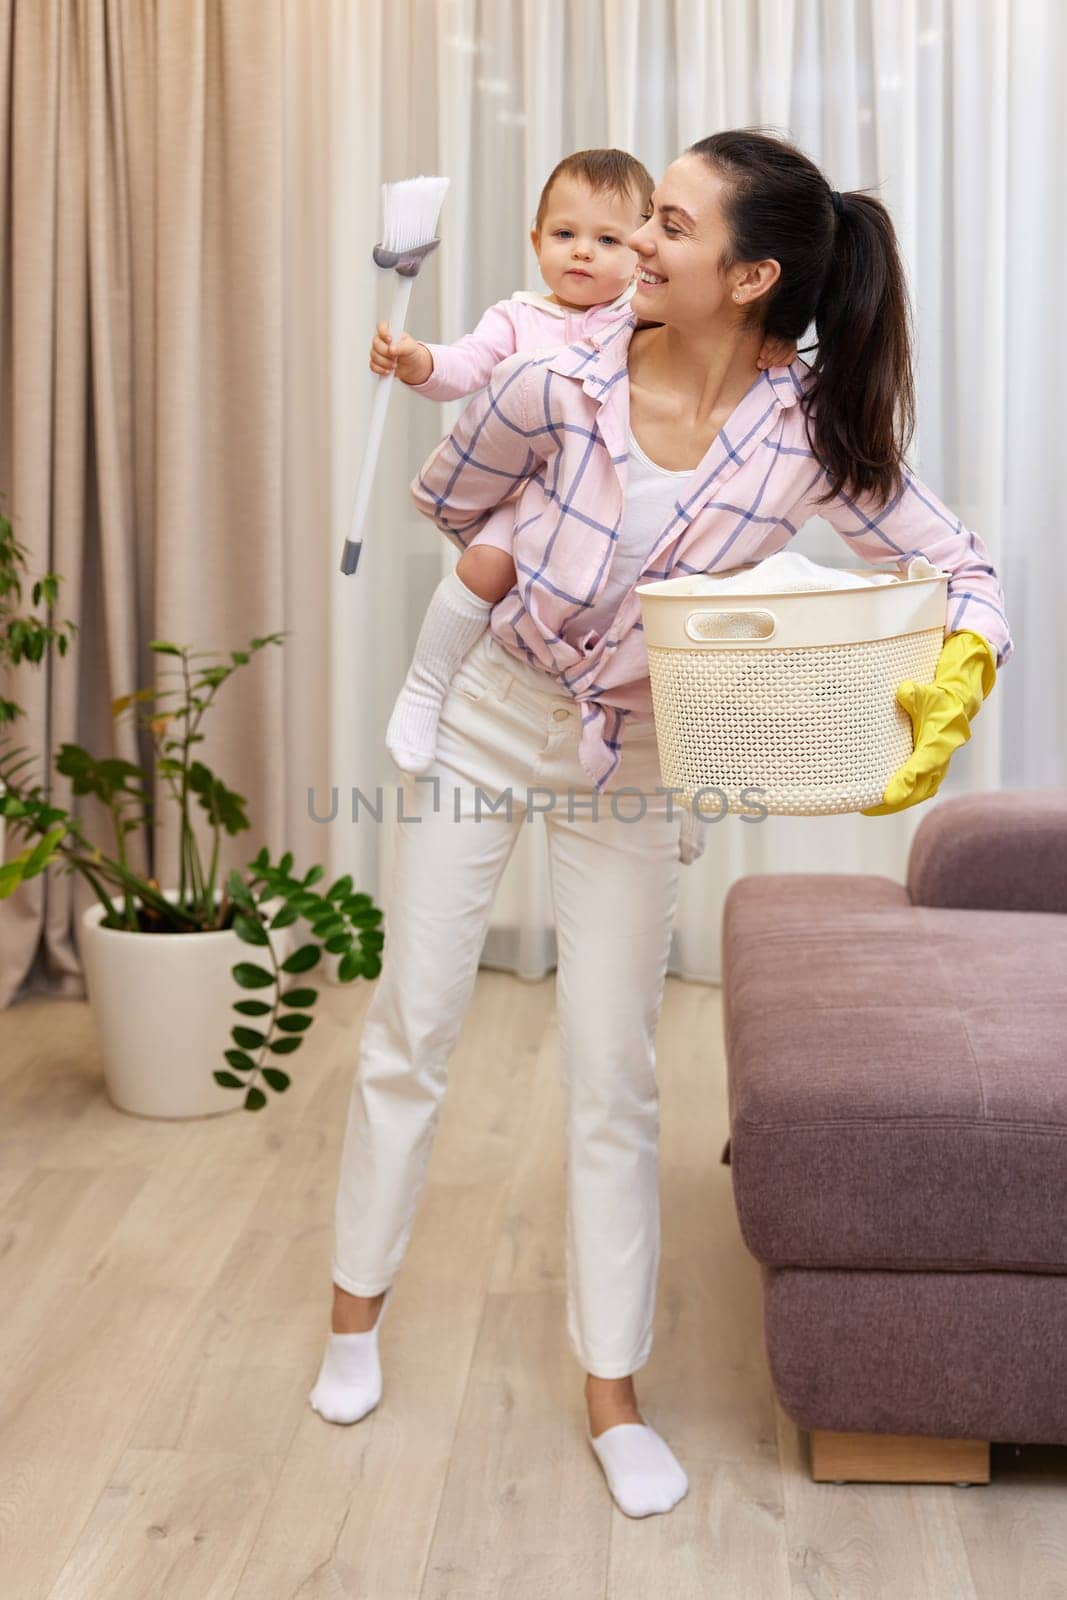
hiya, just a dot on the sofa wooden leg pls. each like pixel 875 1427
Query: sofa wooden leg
pixel 897 1458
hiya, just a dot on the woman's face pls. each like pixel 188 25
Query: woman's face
pixel 682 244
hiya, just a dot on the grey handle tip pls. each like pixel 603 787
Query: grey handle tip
pixel 350 558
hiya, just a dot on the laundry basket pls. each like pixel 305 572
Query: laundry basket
pixel 786 702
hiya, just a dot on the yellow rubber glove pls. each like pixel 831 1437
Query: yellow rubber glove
pixel 941 714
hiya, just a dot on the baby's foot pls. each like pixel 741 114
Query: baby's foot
pixel 455 619
pixel 349 1383
pixel 642 1472
pixel 411 737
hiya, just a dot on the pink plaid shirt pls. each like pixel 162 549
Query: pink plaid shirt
pixel 555 427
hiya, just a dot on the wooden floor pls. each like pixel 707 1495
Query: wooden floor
pixel 164 1294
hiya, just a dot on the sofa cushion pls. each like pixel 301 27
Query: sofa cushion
pixel 897 1077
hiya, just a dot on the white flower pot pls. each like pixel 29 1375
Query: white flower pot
pixel 163 1008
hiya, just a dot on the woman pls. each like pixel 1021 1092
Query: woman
pixel 647 454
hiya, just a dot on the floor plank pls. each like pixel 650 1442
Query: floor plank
pixel 164 1297
pixel 195 1515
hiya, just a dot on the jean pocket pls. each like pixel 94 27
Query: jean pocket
pixel 470 683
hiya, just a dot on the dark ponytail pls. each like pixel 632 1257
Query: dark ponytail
pixel 841 269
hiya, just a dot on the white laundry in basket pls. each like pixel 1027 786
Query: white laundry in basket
pixel 789 572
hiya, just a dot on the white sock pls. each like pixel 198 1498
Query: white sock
pixel 693 838
pixel 642 1472
pixel 455 619
pixel 349 1383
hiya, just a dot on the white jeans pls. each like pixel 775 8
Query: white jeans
pixel 506 729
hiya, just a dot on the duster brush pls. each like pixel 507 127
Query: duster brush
pixel 411 209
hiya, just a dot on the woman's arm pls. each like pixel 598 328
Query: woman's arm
pixel 487 456
pixel 916 523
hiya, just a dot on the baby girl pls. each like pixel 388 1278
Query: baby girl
pixel 592 203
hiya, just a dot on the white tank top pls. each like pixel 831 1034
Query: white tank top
pixel 651 491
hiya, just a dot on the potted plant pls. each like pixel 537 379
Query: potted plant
pixel 23 637
pixel 161 965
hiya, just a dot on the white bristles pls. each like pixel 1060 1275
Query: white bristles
pixel 411 209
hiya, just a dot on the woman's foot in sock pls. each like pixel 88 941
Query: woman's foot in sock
pixel 642 1471
pixel 349 1383
pixel 455 619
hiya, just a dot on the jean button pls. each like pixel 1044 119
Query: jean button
pixel 561 715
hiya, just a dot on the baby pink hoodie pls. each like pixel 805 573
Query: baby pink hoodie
pixel 528 321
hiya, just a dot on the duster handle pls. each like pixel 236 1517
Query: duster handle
pixel 354 542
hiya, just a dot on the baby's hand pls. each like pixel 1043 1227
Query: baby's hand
pixel 776 353
pixel 411 362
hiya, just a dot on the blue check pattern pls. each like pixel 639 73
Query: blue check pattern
pixel 551 429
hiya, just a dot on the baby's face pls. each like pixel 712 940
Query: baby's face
pixel 581 248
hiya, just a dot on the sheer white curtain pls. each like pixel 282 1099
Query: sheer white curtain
pixel 952 109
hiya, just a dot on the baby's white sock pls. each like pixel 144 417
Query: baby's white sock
pixel 642 1472
pixel 455 618
pixel 349 1383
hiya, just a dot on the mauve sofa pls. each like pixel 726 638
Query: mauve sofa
pixel 897 1062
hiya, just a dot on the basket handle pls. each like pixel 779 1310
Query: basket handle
pixel 706 625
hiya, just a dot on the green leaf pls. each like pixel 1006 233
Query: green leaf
pixel 284 1047
pixel 252 1008
pixel 248 1038
pixel 104 779
pixel 276 1078
pixel 357 903
pixel 350 966
pixel 250 929
pixel 255 1100
pixel 299 997
pixel 365 919
pixel 371 966
pixel 228 1080
pixel 313 875
pixel 238 890
pixel 238 1059
pixel 223 806
pixel 303 959
pixel 286 863
pixel 293 1024
pixel 285 917
pixel 338 890
pixel 306 904
pixel 249 976
pixel 164 647
pixel 43 852
pixel 338 943
pixel 10 878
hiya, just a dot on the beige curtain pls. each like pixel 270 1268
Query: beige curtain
pixel 191 196
pixel 141 391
